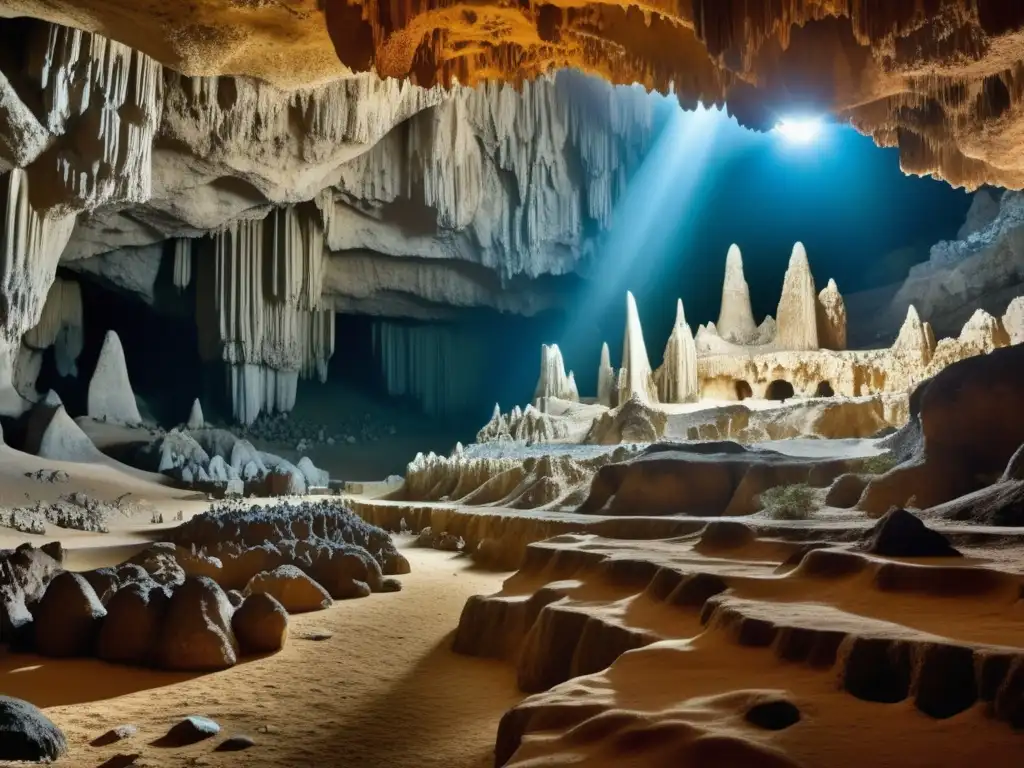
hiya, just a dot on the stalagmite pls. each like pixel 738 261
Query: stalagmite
pixel 797 316
pixel 60 326
pixel 913 341
pixel 553 381
pixel 195 416
pixel 677 377
pixel 182 263
pixel 638 379
pixel 735 318
pixel 110 392
pixel 607 387
pixel 831 311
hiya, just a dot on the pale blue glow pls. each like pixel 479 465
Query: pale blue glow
pixel 800 130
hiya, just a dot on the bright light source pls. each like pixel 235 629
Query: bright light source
pixel 800 131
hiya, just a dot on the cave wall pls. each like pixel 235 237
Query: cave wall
pixel 285 205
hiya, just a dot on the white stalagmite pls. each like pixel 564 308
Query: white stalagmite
pixel 736 318
pixel 553 381
pixel 195 416
pixel 182 263
pixel 677 377
pixel 60 326
pixel 110 395
pixel 797 316
pixel 636 378
pixel 606 382
pixel 267 334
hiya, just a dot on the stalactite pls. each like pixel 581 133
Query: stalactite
pixel 182 263
pixel 60 326
pixel 106 99
pixel 256 311
pixel 432 364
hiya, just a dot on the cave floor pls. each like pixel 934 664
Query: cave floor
pixel 384 690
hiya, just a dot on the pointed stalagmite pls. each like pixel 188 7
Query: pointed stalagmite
pixel 110 392
pixel 831 318
pixel 913 340
pixel 797 317
pixel 735 319
pixel 195 416
pixel 1013 320
pixel 677 377
pixel 606 384
pixel 638 379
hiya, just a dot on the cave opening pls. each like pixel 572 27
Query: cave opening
pixel 780 390
pixel 743 390
pixel 824 390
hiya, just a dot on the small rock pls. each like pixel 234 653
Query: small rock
pixel 330 441
pixel 235 744
pixel 350 440
pixel 27 734
pixel 191 730
pixel 115 735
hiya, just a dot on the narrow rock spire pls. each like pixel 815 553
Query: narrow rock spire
pixel 677 377
pixel 638 380
pixel 553 381
pixel 913 340
pixel 736 318
pixel 606 387
pixel 797 316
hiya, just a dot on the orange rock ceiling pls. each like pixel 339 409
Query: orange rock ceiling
pixel 940 79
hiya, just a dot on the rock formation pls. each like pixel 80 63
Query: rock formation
pixel 831 313
pixel 553 381
pixel 110 393
pixel 635 377
pixel 195 416
pixel 735 317
pixel 60 326
pixel 677 377
pixel 607 390
pixel 797 316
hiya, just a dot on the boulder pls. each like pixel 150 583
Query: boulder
pixel 68 617
pixel 296 591
pixel 346 569
pixel 901 534
pixel 27 735
pixel 196 635
pixel 132 628
pixel 260 624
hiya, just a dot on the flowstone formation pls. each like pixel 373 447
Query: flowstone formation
pixel 274 205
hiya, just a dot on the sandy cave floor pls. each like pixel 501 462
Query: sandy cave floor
pixel 384 690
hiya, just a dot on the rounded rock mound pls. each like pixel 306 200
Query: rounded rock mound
pixel 260 624
pixel 68 618
pixel 296 591
pixel 26 734
pixel 196 634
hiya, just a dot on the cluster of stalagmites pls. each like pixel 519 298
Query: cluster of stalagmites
pixel 802 352
pixel 222 591
pixel 281 180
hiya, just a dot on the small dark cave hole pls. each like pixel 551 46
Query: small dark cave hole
pixel 779 390
pixel 773 715
pixel 824 390
pixel 743 390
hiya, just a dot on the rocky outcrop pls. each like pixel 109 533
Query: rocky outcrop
pixel 607 393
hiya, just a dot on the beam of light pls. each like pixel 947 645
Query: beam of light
pixel 799 130
pixel 652 223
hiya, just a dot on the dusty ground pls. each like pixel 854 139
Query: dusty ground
pixel 384 690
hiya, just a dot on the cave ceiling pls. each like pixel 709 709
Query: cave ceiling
pixel 940 79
